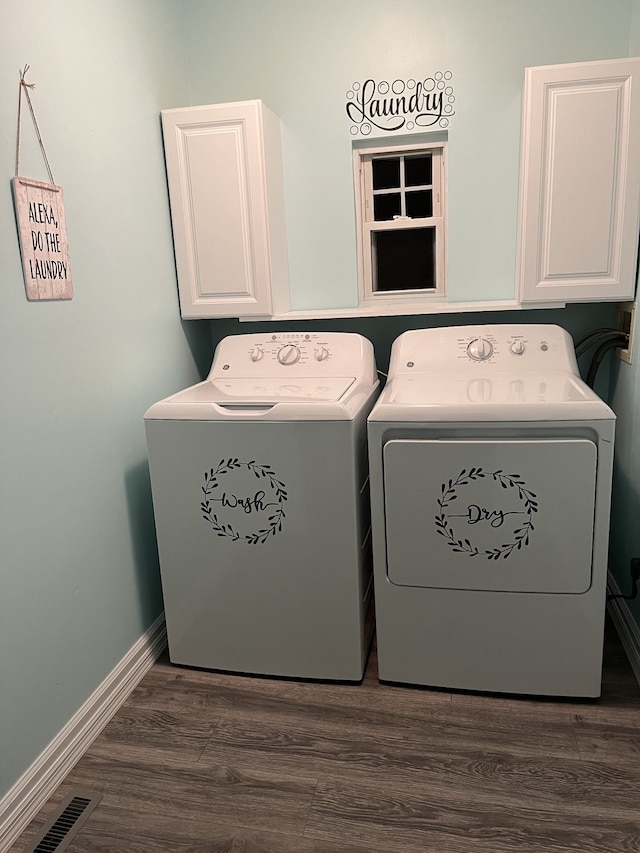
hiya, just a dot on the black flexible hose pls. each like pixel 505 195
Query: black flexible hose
pixel 593 338
pixel 593 333
pixel 619 341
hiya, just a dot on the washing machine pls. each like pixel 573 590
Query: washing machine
pixel 491 466
pixel 259 479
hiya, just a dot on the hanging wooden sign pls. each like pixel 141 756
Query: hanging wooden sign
pixel 44 245
pixel 42 228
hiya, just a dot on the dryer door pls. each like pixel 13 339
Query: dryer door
pixel 513 516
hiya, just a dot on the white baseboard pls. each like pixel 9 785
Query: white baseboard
pixel 25 799
pixel 626 626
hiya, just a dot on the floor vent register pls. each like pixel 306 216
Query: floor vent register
pixel 70 816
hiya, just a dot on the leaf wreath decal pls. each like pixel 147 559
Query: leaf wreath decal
pixel 521 535
pixel 261 472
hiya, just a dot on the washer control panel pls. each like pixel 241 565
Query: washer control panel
pixel 279 354
pixel 509 347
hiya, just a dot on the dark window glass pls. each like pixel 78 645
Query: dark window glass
pixel 404 259
pixel 417 171
pixel 386 173
pixel 386 206
pixel 419 203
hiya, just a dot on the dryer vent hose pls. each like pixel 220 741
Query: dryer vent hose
pixel 607 338
pixel 620 340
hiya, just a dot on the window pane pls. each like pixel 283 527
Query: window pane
pixel 386 206
pixel 386 173
pixel 417 171
pixel 404 259
pixel 419 203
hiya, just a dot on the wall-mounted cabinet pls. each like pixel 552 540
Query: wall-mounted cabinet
pixel 579 202
pixel 224 169
pixel 580 185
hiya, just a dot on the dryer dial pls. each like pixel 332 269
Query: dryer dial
pixel 480 349
pixel 288 354
pixel 321 354
pixel 256 353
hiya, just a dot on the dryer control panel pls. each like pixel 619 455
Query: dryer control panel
pixel 511 348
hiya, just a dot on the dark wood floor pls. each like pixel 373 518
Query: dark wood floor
pixel 208 763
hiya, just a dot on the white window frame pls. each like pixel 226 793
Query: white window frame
pixel 366 226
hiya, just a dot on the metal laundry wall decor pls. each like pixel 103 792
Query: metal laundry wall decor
pixel 42 227
pixel 498 520
pixel 402 105
pixel 236 509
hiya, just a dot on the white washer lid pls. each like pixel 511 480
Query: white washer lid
pixel 260 390
pixel 299 399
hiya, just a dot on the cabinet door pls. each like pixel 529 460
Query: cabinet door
pixel 224 168
pixel 580 187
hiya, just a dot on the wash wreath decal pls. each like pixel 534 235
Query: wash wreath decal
pixel 406 105
pixel 236 509
pixel 499 530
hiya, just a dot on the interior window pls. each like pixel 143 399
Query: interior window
pixel 400 206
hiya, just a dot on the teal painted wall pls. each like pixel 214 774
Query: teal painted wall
pixel 235 52
pixel 625 399
pixel 302 57
pixel 79 580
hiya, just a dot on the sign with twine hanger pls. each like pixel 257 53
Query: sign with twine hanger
pixel 42 227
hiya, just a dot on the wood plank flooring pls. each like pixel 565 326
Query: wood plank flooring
pixel 201 762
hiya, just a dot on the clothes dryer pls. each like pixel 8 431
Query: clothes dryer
pixel 491 466
pixel 260 490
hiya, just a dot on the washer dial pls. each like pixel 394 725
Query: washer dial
pixel 288 354
pixel 480 349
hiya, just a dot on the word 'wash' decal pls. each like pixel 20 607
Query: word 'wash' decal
pixel 239 508
pixel 497 517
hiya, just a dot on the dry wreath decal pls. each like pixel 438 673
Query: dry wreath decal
pixel 497 521
pixel 237 507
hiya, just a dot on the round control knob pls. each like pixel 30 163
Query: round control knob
pixel 288 354
pixel 256 353
pixel 517 347
pixel 480 349
pixel 321 354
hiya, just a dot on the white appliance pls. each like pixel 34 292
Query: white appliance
pixel 260 491
pixel 491 465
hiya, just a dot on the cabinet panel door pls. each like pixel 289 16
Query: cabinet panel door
pixel 221 217
pixel 580 188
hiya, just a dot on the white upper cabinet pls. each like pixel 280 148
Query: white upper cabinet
pixel 224 168
pixel 580 184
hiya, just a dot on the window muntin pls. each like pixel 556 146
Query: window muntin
pixel 401 222
pixel 402 186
